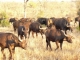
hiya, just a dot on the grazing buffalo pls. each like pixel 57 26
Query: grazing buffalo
pixel 11 20
pixel 35 27
pixel 61 24
pixel 21 31
pixel 57 36
pixel 10 41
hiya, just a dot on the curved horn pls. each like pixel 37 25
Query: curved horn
pixel 20 39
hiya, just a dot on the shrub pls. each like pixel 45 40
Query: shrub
pixel 5 23
pixel 3 15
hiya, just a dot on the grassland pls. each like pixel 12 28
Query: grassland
pixel 36 47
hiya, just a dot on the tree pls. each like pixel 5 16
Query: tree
pixel 25 1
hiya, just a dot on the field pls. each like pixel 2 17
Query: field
pixel 36 47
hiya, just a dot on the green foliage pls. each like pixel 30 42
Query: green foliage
pixel 5 23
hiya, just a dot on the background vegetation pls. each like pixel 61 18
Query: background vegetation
pixel 43 9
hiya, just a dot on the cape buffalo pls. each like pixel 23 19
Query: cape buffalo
pixel 10 41
pixel 57 36
pixel 35 27
pixel 61 24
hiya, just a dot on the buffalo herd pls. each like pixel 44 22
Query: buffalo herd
pixel 55 31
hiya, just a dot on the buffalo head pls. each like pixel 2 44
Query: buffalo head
pixel 68 39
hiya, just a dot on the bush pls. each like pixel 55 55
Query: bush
pixel 5 23
pixel 3 15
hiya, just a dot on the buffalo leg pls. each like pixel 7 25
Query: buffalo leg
pixel 48 43
pixel 42 35
pixel 36 34
pixel 25 34
pixel 29 33
pixel 61 46
pixel 2 50
pixel 14 29
pixel 11 50
pixel 33 34
pixel 57 45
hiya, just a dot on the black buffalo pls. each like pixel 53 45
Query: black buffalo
pixel 57 36
pixel 11 20
pixel 45 21
pixel 10 41
pixel 61 24
pixel 22 31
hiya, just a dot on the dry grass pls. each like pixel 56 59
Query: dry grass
pixel 36 47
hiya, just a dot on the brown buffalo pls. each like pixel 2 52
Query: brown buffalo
pixel 10 41
pixel 25 23
pixel 35 27
pixel 57 36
